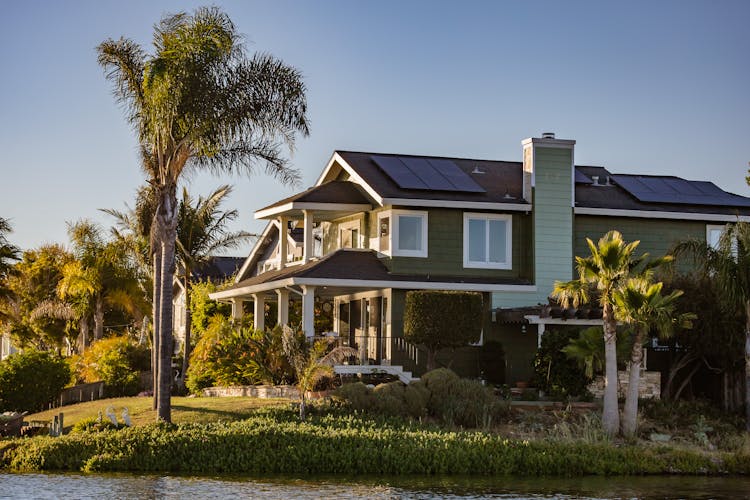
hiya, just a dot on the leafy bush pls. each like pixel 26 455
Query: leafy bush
pixel 556 373
pixel 440 393
pixel 461 402
pixel 442 319
pixel 116 361
pixel 93 424
pixel 31 379
pixel 228 356
pixel 203 308
pixel 346 444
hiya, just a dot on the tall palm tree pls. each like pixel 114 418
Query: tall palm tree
pixel 198 102
pixel 641 305
pixel 201 232
pixel 729 264
pixel 606 270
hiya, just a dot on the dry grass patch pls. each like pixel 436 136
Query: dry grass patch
pixel 184 410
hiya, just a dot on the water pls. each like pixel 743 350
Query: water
pixel 122 486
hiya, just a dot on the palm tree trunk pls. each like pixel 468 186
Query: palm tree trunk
pixel 747 365
pixel 630 412
pixel 84 326
pixel 302 404
pixel 156 324
pixel 610 413
pixel 166 220
pixel 99 317
pixel 188 319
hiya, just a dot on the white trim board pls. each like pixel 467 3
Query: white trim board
pixel 400 285
pixel 322 207
pixel 336 158
pixel 473 205
pixel 653 214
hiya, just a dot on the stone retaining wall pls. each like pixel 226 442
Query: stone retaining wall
pixel 648 388
pixel 253 391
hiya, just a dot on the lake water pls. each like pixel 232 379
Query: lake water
pixel 122 486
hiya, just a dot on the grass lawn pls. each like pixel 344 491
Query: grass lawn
pixel 194 409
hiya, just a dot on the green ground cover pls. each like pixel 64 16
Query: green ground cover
pixel 272 440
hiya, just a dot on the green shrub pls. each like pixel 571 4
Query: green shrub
pixel 416 396
pixel 93 424
pixel 555 373
pixel 442 319
pixel 461 402
pixel 356 396
pixel 31 379
pixel 116 361
pixel 389 399
pixel 226 355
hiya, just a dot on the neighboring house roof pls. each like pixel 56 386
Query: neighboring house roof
pixel 362 265
pixel 218 268
pixel 615 196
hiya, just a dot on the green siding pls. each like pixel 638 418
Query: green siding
pixel 553 217
pixel 657 236
pixel 445 249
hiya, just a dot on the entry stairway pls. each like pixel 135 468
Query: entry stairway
pixel 397 371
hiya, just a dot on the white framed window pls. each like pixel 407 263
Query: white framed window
pixel 350 234
pixel 488 240
pixel 713 234
pixel 408 230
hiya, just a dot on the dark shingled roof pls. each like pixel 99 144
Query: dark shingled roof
pixel 357 264
pixel 615 197
pixel 218 268
pixel 502 180
pixel 343 192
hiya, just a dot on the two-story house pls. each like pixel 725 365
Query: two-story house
pixel 375 226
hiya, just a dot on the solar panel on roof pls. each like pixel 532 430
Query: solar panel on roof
pixel 396 170
pixel 460 180
pixel 427 175
pixel 678 191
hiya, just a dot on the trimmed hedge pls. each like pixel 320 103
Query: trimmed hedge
pixel 442 319
pixel 31 379
pixel 276 442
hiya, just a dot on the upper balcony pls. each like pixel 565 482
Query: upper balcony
pixel 327 202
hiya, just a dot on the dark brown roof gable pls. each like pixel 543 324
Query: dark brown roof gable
pixel 501 180
pixel 355 264
pixel 343 192
pixel 218 268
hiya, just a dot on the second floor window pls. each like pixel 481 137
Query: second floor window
pixel 409 233
pixel 487 241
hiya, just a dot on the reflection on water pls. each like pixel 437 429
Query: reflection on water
pixel 122 486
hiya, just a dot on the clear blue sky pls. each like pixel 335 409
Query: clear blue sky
pixel 644 87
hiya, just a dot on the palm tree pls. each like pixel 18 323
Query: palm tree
pixel 605 271
pixel 9 254
pixel 729 264
pixel 201 232
pixel 311 362
pixel 199 103
pixel 641 305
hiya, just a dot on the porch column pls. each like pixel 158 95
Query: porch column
pixel 259 309
pixel 308 241
pixel 283 241
pixel 308 311
pixel 283 317
pixel 237 309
